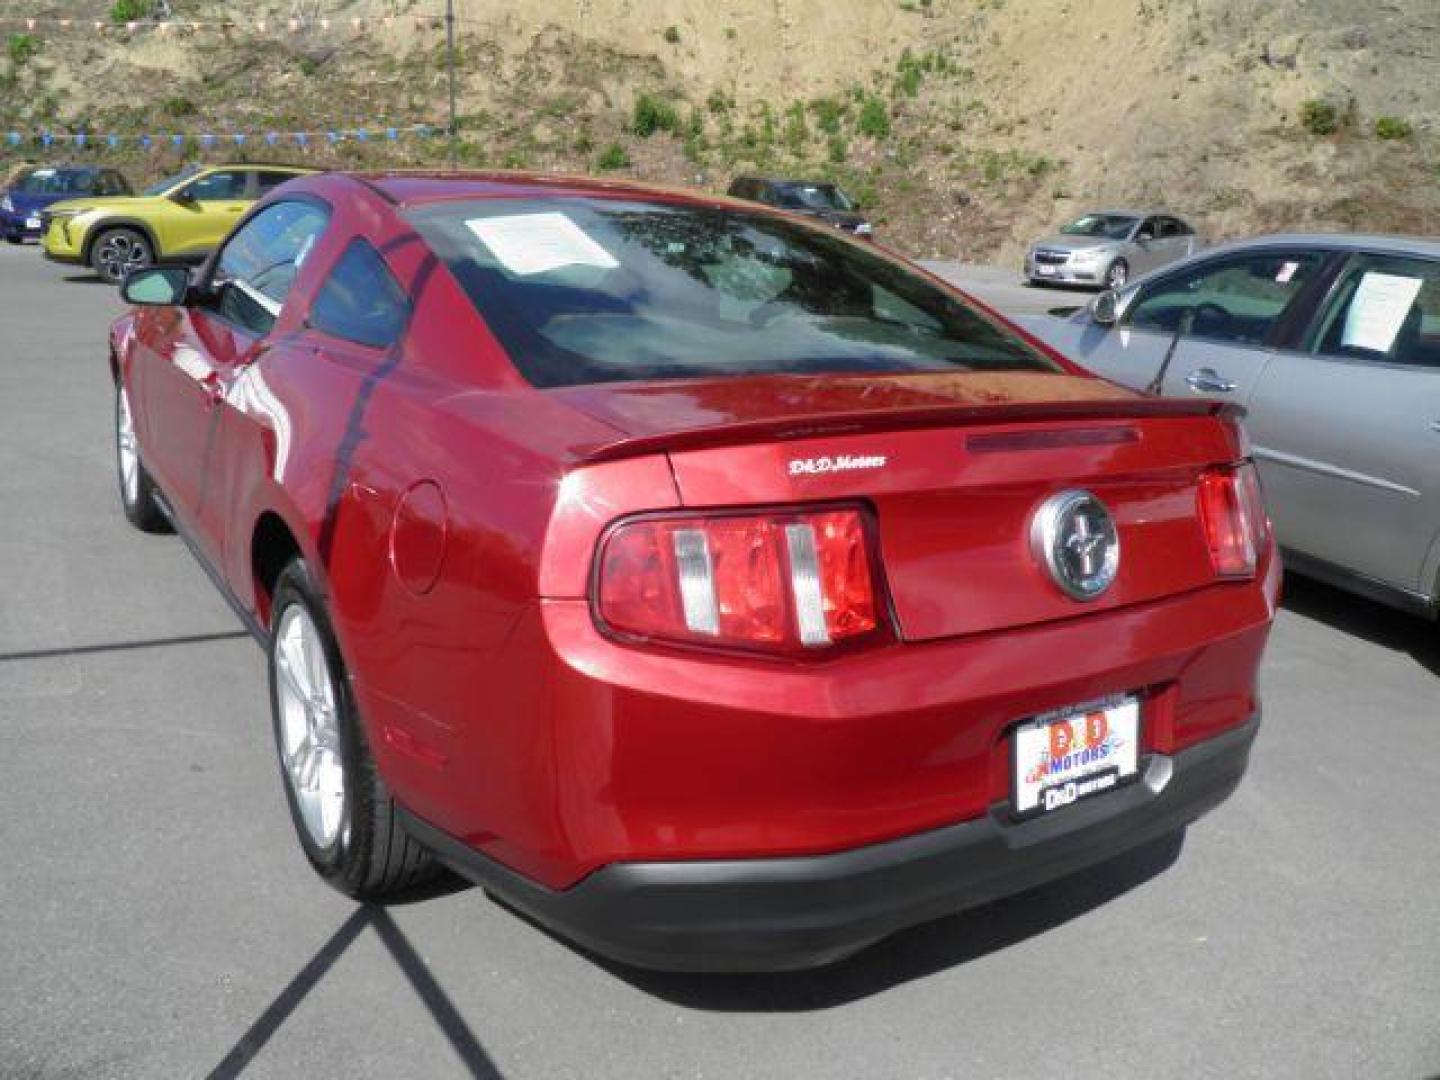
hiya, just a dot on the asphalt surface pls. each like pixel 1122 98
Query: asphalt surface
pixel 158 920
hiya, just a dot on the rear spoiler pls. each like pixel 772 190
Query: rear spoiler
pixel 782 429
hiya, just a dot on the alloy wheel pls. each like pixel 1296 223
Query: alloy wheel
pixel 118 253
pixel 309 725
pixel 125 451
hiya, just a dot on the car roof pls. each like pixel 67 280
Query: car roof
pixel 420 187
pixel 282 165
pixel 1383 242
pixel 1122 212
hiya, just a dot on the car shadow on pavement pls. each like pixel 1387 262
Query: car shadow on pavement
pixel 367 917
pixel 917 952
pixel 1367 619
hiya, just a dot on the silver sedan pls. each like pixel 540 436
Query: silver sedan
pixel 1109 248
pixel 1332 344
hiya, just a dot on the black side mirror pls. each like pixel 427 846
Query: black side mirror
pixel 1105 308
pixel 183 197
pixel 156 286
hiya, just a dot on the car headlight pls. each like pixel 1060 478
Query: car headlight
pixel 864 229
pixel 7 205
pixel 65 213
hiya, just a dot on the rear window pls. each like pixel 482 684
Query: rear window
pixel 590 290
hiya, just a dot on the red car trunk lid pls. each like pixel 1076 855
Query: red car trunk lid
pixel 956 467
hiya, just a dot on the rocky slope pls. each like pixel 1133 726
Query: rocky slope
pixel 966 125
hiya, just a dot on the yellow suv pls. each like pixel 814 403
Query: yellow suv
pixel 180 219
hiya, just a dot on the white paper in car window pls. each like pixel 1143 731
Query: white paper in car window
pixel 1378 310
pixel 536 243
pixel 1287 273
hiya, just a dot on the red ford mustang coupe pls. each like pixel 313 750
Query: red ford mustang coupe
pixel 718 591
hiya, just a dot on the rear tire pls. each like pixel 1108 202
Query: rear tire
pixel 137 490
pixel 118 252
pixel 342 811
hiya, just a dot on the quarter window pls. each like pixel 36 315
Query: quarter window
pixel 257 266
pixel 1234 300
pixel 1386 309
pixel 361 301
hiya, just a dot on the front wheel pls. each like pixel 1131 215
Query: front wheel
pixel 118 252
pixel 1117 275
pixel 137 490
pixel 342 811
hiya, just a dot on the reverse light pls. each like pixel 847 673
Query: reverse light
pixel 778 582
pixel 1232 510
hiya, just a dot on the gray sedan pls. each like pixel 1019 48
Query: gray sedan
pixel 1332 343
pixel 1109 247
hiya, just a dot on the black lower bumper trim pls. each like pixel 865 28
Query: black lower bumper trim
pixel 776 914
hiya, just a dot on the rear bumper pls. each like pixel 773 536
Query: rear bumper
pixel 775 914
pixel 63 258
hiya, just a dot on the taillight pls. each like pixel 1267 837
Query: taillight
pixel 775 582
pixel 1233 512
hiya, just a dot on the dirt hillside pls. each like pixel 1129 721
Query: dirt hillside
pixel 965 125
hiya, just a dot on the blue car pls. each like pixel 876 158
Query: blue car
pixel 28 195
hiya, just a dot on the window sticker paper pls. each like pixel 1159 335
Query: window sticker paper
pixel 1287 273
pixel 1378 310
pixel 529 244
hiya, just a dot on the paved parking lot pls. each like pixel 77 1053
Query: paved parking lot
pixel 158 920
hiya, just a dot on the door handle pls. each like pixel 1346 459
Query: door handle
pixel 1208 381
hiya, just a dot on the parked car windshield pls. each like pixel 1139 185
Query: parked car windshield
pixel 162 186
pixel 812 197
pixel 1111 226
pixel 592 290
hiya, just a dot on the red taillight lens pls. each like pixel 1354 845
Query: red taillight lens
pixel 1233 512
pixel 779 582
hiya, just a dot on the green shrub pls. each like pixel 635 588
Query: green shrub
pixel 178 106
pixel 839 150
pixel 672 35
pixel 909 74
pixel 584 142
pixel 124 11
pixel 874 119
pixel 828 114
pixel 718 102
pixel 613 157
pixel 1319 117
pixel 653 114
pixel 1393 127
pixel 22 47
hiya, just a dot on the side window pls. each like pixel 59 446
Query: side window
pixel 1236 299
pixel 257 266
pixel 218 186
pixel 1179 228
pixel 267 180
pixel 1386 309
pixel 111 183
pixel 1148 230
pixel 360 300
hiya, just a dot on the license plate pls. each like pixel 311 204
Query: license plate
pixel 32 222
pixel 1045 271
pixel 1063 757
